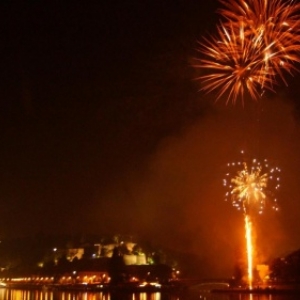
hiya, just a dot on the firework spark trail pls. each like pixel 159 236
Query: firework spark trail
pixel 249 245
pixel 256 42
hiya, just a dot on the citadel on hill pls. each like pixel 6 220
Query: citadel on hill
pixel 82 260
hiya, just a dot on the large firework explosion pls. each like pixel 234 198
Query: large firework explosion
pixel 256 42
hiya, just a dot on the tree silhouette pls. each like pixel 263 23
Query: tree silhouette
pixel 117 267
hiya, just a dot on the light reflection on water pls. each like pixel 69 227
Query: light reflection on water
pixel 247 297
pixel 10 294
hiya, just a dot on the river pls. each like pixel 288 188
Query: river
pixel 11 294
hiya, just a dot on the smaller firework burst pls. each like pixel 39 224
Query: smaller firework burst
pixel 252 185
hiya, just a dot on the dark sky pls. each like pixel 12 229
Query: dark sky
pixel 103 129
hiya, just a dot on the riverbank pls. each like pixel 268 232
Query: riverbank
pixel 127 287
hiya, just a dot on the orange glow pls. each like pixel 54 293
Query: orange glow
pixel 248 227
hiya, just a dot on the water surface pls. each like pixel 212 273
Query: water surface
pixel 12 294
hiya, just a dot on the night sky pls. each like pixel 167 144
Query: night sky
pixel 104 130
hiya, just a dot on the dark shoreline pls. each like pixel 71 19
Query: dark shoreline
pixel 94 287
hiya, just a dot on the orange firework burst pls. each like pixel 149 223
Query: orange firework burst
pixel 235 63
pixel 257 41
